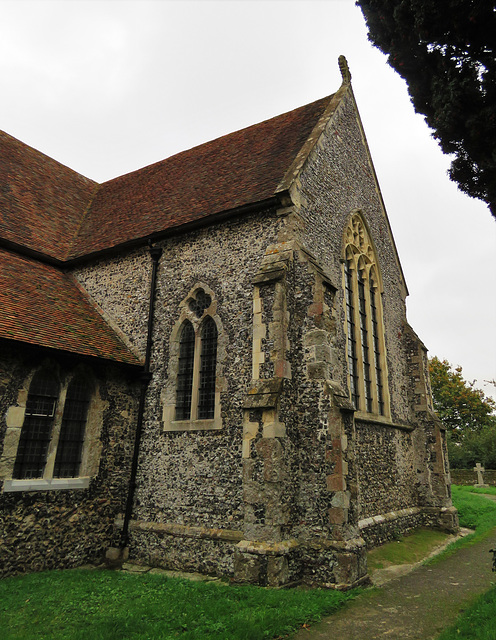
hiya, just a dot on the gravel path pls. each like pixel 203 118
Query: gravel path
pixel 417 606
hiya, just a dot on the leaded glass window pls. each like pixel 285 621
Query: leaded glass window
pixel 71 438
pixel 376 346
pixel 37 427
pixel 208 361
pixel 350 323
pixel 185 372
pixel 364 330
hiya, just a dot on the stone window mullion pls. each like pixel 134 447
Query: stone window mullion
pixel 54 442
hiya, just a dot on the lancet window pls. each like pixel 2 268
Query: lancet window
pixel 364 327
pixel 197 362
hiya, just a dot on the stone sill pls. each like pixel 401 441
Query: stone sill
pixel 193 425
pixel 181 530
pixel 39 484
pixel 373 419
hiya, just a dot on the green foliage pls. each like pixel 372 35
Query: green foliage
pixel 105 605
pixel 445 52
pixel 474 448
pixel 478 622
pixel 468 415
pixel 461 407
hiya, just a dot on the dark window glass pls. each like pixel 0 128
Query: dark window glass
pixel 364 336
pixel 185 372
pixel 375 340
pixel 352 346
pixel 37 427
pixel 71 437
pixel 200 302
pixel 208 361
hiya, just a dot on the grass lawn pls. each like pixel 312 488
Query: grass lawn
pixel 477 623
pixel 475 512
pixel 107 605
pixel 489 490
pixel 406 550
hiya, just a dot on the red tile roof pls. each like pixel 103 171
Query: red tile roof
pixel 53 210
pixel 238 169
pixel 42 202
pixel 50 209
pixel 43 306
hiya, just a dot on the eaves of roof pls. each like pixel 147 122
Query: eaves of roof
pixel 43 306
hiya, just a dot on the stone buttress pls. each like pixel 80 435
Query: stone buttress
pixel 299 478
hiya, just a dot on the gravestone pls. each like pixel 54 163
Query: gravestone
pixel 479 469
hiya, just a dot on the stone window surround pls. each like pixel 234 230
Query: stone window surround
pixel 169 393
pixel 91 448
pixel 360 251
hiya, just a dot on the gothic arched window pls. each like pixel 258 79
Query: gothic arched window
pixel 364 327
pixel 197 362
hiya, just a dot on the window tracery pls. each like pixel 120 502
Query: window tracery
pixel 192 398
pixel 364 328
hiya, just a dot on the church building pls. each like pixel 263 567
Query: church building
pixel 206 365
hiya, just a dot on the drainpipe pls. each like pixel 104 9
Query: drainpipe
pixel 155 253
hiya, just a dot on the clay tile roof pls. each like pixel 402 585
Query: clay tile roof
pixel 41 201
pixel 43 306
pixel 238 169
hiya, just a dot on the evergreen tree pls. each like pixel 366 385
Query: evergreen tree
pixel 446 53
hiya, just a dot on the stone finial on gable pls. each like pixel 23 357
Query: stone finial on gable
pixel 345 70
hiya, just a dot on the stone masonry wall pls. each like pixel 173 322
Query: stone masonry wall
pixel 395 468
pixel 469 476
pixel 56 529
pixel 191 481
pixel 336 181
pixel 386 469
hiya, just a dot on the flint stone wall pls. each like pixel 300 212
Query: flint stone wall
pixel 337 180
pixel 56 529
pixel 386 469
pixel 469 476
pixel 190 478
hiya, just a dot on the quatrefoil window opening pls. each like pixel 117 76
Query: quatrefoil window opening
pixel 199 303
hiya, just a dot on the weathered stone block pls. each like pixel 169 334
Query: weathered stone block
pixel 336 482
pixel 337 515
pixel 277 571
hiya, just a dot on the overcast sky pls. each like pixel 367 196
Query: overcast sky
pixel 107 87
